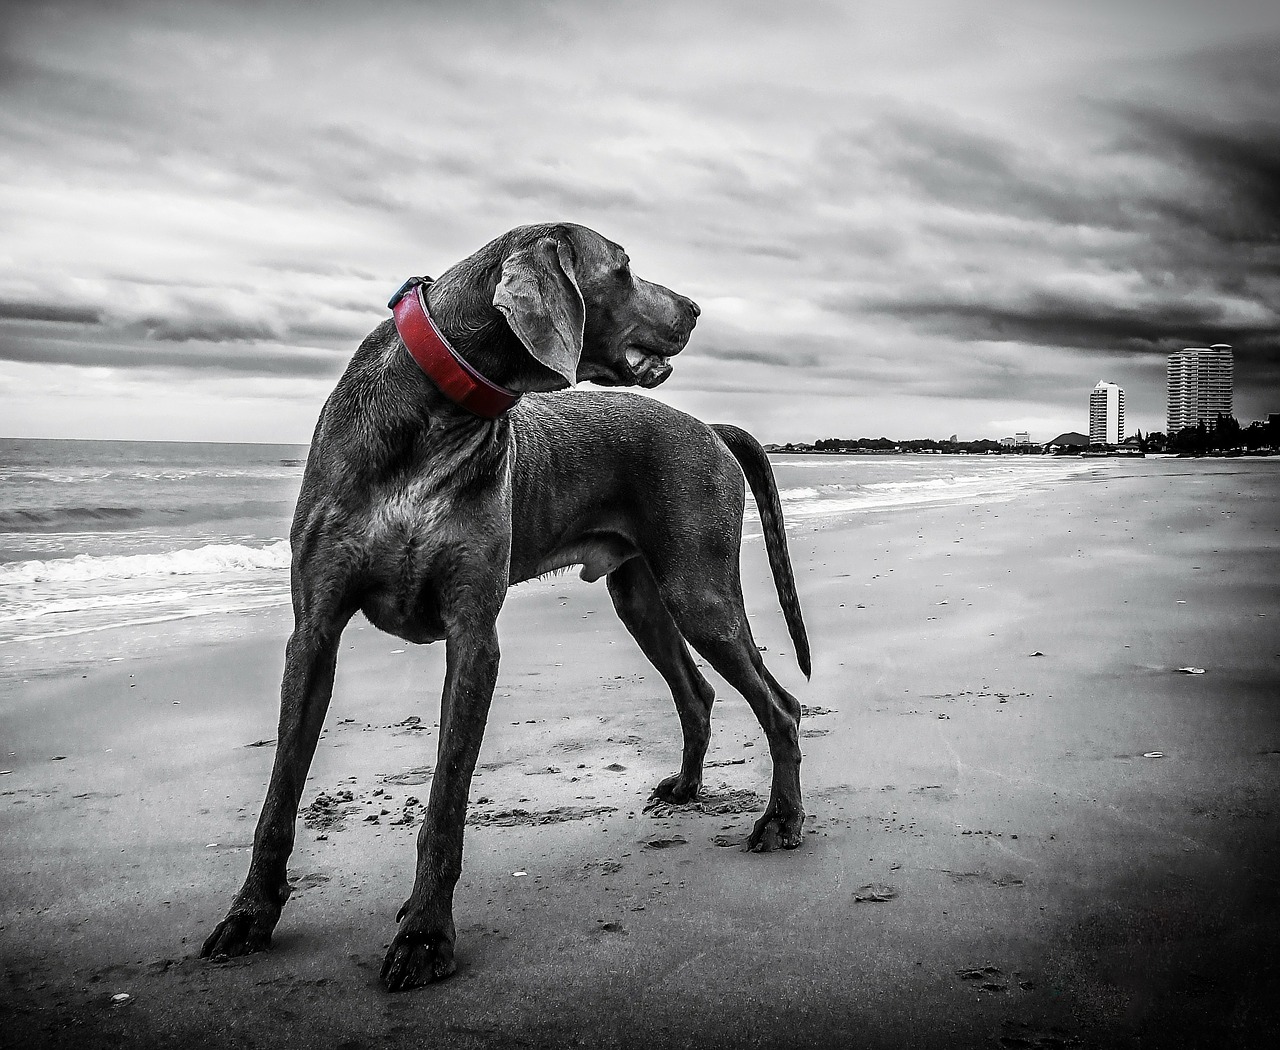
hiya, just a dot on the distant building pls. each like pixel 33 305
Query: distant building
pixel 1106 414
pixel 1199 386
pixel 1023 437
pixel 1007 442
pixel 1071 439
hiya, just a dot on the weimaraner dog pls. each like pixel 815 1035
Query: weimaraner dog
pixel 434 483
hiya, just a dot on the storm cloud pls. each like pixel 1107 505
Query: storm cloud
pixel 910 219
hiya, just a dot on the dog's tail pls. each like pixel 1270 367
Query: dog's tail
pixel 755 465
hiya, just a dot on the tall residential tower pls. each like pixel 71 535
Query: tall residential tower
pixel 1199 383
pixel 1106 414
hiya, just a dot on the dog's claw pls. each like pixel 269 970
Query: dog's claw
pixel 773 831
pixel 677 790
pixel 240 933
pixel 412 962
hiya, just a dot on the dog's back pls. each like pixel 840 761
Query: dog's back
pixel 577 457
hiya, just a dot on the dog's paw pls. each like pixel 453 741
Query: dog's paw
pixel 415 959
pixel 240 933
pixel 677 790
pixel 773 831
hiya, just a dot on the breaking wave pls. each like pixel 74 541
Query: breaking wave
pixel 212 558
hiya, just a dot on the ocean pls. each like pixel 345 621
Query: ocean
pixel 100 536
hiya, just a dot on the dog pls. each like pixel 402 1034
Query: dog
pixel 446 467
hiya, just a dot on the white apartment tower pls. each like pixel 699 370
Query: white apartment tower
pixel 1199 383
pixel 1106 414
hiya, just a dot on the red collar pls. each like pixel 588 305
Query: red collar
pixel 456 379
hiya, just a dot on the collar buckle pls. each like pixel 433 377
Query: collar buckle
pixel 404 289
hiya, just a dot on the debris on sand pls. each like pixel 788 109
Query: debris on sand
pixel 507 818
pixel 412 813
pixel 328 811
pixel 874 893
pixel 262 743
pixel 1153 754
pixel 720 802
pixel 410 723
pixel 308 881
pixel 1190 670
pixel 813 712
pixel 417 775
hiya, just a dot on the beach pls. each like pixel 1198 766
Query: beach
pixel 1029 825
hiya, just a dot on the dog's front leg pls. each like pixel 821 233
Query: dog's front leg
pixel 422 950
pixel 310 661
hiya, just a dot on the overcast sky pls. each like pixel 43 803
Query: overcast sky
pixel 900 218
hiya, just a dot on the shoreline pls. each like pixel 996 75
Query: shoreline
pixel 1137 901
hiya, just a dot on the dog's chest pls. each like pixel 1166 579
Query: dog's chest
pixel 423 540
pixel 407 515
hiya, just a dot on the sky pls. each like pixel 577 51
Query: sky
pixel 908 219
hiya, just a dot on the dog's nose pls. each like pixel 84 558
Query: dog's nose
pixel 694 308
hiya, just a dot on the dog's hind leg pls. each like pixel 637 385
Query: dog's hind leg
pixel 635 596
pixel 310 661
pixel 711 615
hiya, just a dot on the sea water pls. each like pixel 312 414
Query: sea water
pixel 100 537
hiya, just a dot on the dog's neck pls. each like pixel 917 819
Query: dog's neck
pixel 477 337
pixel 461 305
pixel 448 371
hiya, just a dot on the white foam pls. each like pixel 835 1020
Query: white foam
pixel 794 495
pixel 209 559
pixel 998 483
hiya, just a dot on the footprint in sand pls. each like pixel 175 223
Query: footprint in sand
pixel 667 843
pixel 874 893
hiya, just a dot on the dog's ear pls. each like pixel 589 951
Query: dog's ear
pixel 539 296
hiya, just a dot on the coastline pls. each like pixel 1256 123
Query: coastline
pixel 1137 903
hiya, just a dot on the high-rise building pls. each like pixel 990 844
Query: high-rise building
pixel 1106 414
pixel 1199 384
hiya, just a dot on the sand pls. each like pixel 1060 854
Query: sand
pixel 1028 829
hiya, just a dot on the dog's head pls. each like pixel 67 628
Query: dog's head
pixel 570 298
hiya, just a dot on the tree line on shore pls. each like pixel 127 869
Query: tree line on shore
pixel 883 444
pixel 1224 434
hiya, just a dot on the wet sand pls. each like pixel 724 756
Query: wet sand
pixel 1028 829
